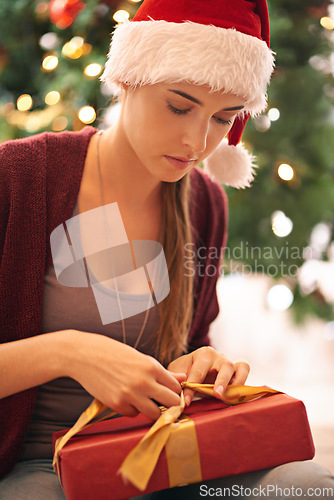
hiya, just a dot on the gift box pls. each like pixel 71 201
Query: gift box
pixel 210 440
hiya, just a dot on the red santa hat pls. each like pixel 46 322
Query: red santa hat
pixel 220 43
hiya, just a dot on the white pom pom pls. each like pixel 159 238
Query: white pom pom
pixel 231 165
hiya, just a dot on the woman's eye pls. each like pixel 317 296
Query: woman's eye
pixel 223 122
pixel 177 111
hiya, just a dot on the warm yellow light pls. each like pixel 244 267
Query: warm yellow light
pixel 59 123
pixel 120 16
pixel 86 48
pixel 52 97
pixel 93 69
pixel 285 172
pixel 135 1
pixel 87 114
pixel 273 114
pixel 327 22
pixel 74 48
pixel 24 102
pixel 70 50
pixel 78 41
pixel 50 63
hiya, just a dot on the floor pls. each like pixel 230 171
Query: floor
pixel 298 361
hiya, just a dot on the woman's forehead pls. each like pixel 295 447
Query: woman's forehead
pixel 202 94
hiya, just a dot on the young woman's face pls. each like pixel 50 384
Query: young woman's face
pixel 170 128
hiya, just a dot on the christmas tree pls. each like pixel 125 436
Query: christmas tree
pixel 52 54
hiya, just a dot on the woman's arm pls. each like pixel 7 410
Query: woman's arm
pixel 119 376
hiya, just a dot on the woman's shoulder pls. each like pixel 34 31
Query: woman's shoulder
pixel 46 147
pixel 207 194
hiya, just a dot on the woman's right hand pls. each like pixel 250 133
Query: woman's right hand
pixel 119 376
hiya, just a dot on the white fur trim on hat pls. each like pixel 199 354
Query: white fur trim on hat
pixel 148 52
pixel 231 165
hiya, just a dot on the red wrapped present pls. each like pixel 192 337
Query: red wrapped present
pixel 210 440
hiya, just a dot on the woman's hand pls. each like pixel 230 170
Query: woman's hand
pixel 207 366
pixel 119 376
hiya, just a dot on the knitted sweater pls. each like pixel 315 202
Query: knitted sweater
pixel 39 184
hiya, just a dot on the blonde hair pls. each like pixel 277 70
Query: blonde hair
pixel 176 310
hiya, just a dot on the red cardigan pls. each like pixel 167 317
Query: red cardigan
pixel 39 184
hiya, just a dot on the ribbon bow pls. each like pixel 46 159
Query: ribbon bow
pixel 140 463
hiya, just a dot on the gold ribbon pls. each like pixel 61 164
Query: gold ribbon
pixel 140 463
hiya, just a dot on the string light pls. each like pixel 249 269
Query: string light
pixel 52 98
pixel 93 69
pixel 24 102
pixel 87 114
pixel 327 23
pixel 273 114
pixel 321 236
pixel 281 224
pixel 285 172
pixel 74 48
pixel 59 123
pixel 121 16
pixel 49 41
pixel 50 63
pixel 279 297
pixel 135 1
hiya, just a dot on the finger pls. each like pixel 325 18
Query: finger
pixel 149 408
pixel 180 377
pixel 168 379
pixel 241 373
pixel 165 396
pixel 202 363
pixel 224 375
pixel 126 410
pixel 181 364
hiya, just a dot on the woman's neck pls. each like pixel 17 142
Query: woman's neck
pixel 123 175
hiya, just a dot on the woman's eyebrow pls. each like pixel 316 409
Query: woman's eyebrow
pixel 194 99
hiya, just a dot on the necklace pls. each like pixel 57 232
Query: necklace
pixel 99 134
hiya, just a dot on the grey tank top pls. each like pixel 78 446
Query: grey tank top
pixel 61 401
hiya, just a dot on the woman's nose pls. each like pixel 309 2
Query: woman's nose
pixel 195 136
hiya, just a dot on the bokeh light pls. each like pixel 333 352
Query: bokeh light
pixel 93 69
pixel 285 172
pixel 279 297
pixel 87 114
pixel 24 102
pixel 281 224
pixel 50 63
pixel 121 16
pixel 52 97
pixel 273 114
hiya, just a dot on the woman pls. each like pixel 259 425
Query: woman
pixel 184 87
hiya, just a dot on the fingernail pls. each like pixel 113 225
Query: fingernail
pixel 220 390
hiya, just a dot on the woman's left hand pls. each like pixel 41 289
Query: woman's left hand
pixel 207 366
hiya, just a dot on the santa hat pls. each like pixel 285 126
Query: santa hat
pixel 220 43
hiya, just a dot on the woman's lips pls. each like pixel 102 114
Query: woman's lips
pixel 180 164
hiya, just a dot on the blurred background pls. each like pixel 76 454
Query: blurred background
pixel 276 292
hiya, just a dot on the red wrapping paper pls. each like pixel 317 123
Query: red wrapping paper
pixel 256 435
